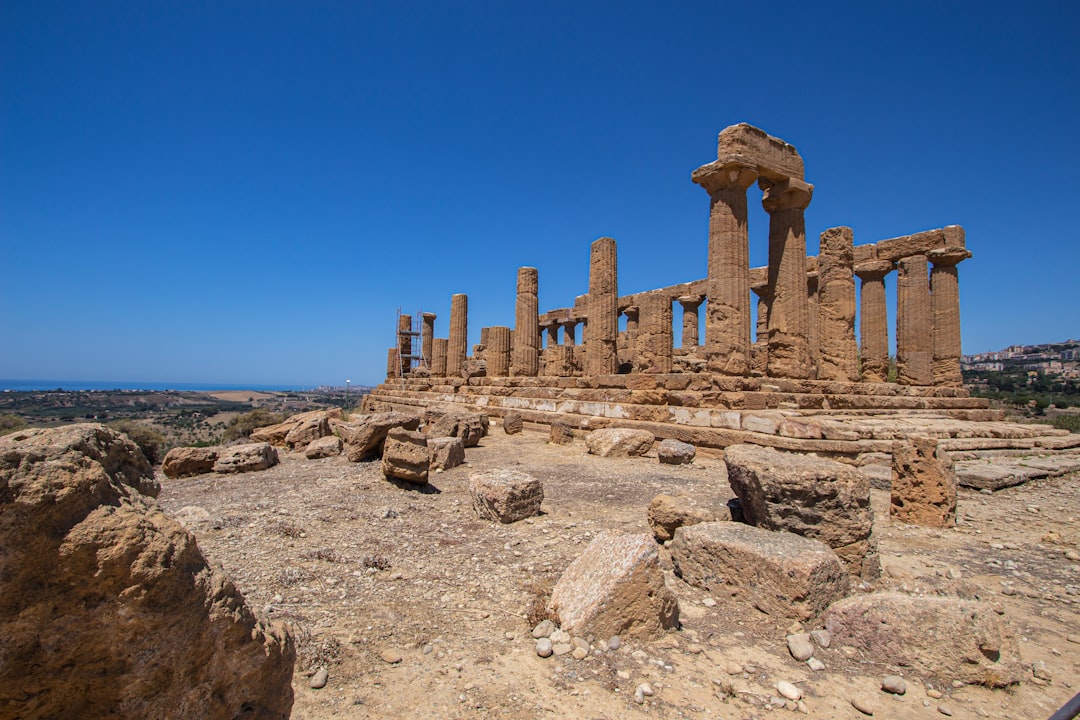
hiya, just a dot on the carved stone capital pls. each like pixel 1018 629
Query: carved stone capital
pixel 690 301
pixel 874 269
pixel 946 256
pixel 722 174
pixel 790 194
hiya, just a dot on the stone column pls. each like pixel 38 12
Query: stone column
pixel 653 349
pixel 633 321
pixel 914 337
pixel 526 324
pixel 484 335
pixel 759 352
pixel 438 356
pixel 459 330
pixel 498 351
pixel 405 343
pixel 837 353
pixel 690 305
pixel 601 354
pixel 789 317
pixel 727 310
pixel 569 331
pixel 945 302
pixel 874 320
pixel 427 334
pixel 393 364
pixel 812 339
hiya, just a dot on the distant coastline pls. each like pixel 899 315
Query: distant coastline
pixel 30 385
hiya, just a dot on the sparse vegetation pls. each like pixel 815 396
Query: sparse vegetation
pixel 10 423
pixel 152 443
pixel 242 425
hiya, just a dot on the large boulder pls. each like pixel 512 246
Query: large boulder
pixel 364 438
pixel 940 637
pixel 313 420
pixel 187 461
pixel 107 608
pixel 445 452
pixel 505 495
pixel 249 457
pixel 668 513
pixel 323 447
pixel 923 483
pixel 779 573
pixel 470 427
pixel 406 456
pixel 309 430
pixel 615 587
pixel 809 496
pixel 619 442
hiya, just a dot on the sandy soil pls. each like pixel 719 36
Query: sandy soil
pixel 241 395
pixel 368 571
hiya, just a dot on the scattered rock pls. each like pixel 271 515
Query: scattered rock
pixel 314 426
pixel 277 434
pixel 1038 670
pixel 561 434
pixel 470 427
pixel 945 710
pixel 543 629
pixel 938 636
pixel 815 664
pixel 512 423
pixel 619 442
pixel 800 647
pixel 675 452
pixel 187 461
pixel 505 495
pixel 406 456
pixel 364 438
pixel 780 573
pixel 544 647
pixel 445 452
pixel 327 446
pixel 821 637
pixel 923 483
pixel 614 642
pixel 788 690
pixel 894 684
pixel 863 704
pixel 615 587
pixel 249 457
pixel 110 601
pixel 319 679
pixel 667 513
pixel 391 656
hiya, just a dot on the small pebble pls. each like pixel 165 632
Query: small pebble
pixel 560 636
pixel 957 684
pixel 932 693
pixel 1038 669
pixel 732 668
pixel 622 675
pixel 708 602
pixel 543 647
pixel 318 680
pixel 1072 555
pixel 614 642
pixel 561 648
pixel 391 656
pixel 800 646
pixel 894 684
pixel 543 629
pixel 815 664
pixel 580 643
pixel 822 637
pixel 952 574
pixel 1073 638
pixel 863 705
pixel 944 710
pixel 788 690
pixel 579 653
pixel 427 649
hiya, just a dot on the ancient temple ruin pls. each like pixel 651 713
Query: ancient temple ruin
pixel 797 383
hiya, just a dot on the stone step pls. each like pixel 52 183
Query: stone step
pixel 998 473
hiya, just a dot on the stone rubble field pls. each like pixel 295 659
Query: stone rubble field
pixel 404 603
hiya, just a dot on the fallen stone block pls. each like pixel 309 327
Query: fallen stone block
pixel 923 483
pixel 668 513
pixel 615 587
pixel 249 457
pixel 561 434
pixel 187 461
pixel 505 495
pixel 309 430
pixel 446 452
pixel 779 573
pixel 406 456
pixel 940 637
pixel 277 434
pixel 512 423
pixel 323 447
pixel 809 496
pixel 619 442
pixel 470 427
pixel 364 438
pixel 675 452
pixel 108 607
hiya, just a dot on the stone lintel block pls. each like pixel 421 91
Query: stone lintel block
pixel 406 456
pixel 445 452
pixel 951 255
pixel 773 157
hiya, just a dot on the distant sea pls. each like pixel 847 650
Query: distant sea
pixel 6 384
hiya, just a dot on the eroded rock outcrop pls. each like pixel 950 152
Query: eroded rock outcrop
pixel 107 607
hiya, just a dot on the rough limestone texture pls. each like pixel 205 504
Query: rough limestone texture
pixel 526 329
pixel 323 447
pixel 308 431
pixel 364 438
pixel 505 495
pixel 187 461
pixel 470 427
pixel 249 457
pixel 923 483
pixel 512 423
pixel 837 353
pixel 615 587
pixel 277 434
pixel 779 573
pixel 939 637
pixel 406 456
pixel 914 332
pixel 445 452
pixel 108 608
pixel 619 442
pixel 561 434
pixel 601 337
pixel 668 513
pixel 810 496
pixel 458 344
pixel 675 452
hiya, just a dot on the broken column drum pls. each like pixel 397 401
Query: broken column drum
pixel 438 356
pixel 498 351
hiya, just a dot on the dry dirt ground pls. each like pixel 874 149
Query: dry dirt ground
pixel 367 572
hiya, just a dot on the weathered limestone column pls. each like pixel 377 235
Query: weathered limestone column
pixel 789 317
pixel 393 364
pixel 812 339
pixel 569 333
pixel 484 335
pixel 759 352
pixel 438 356
pixel 945 302
pixel 601 356
pixel 690 305
pixel 654 340
pixel 914 337
pixel 405 342
pixel 633 322
pixel 837 352
pixel 552 330
pixel 874 320
pixel 727 309
pixel 427 334
pixel 526 324
pixel 498 351
pixel 459 330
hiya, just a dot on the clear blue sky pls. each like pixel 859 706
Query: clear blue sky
pixel 245 192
